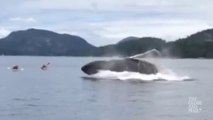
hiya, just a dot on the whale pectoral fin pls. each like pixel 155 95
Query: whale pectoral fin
pixel 148 54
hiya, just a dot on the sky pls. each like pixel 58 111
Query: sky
pixel 103 22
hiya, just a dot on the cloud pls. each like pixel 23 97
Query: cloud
pixel 166 29
pixel 103 22
pixel 23 19
pixel 4 32
pixel 123 5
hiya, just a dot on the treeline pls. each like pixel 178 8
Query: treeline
pixel 48 43
pixel 198 45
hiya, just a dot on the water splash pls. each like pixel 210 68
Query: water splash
pixel 126 75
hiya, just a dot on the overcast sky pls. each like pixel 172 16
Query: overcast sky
pixel 103 22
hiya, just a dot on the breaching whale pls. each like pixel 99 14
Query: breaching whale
pixel 127 64
pixel 131 64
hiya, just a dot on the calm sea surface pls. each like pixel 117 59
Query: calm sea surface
pixel 60 93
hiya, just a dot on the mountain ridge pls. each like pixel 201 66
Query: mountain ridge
pixel 48 43
pixel 44 42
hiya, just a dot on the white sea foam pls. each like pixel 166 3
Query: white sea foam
pixel 126 75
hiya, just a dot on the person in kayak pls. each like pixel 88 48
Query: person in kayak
pixel 44 67
pixel 15 67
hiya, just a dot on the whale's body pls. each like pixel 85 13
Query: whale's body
pixel 120 65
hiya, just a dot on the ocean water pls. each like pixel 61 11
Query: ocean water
pixel 63 92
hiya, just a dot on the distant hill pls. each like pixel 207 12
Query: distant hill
pixel 47 43
pixel 131 46
pixel 198 45
pixel 128 39
pixel 43 42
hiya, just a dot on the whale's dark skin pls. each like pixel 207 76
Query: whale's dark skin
pixel 128 64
